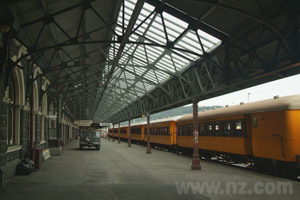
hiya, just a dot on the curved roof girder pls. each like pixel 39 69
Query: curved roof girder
pixel 237 62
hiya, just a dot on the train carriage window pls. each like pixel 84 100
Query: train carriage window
pixel 136 130
pixel 201 129
pixel 204 128
pixel 123 131
pixel 185 130
pixel 239 128
pixel 182 130
pixel 179 130
pixel 217 129
pixel 190 132
pixel 210 129
pixel 227 128
pixel 221 128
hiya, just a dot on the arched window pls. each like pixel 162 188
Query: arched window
pixel 11 137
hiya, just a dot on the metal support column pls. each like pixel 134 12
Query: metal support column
pixel 196 158
pixel 129 133
pixel 113 133
pixel 119 140
pixel 148 134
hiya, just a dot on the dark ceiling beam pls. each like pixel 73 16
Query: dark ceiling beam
pixel 103 20
pixel 78 94
pixel 258 19
pixel 50 16
pixel 65 63
pixel 137 9
pixel 204 56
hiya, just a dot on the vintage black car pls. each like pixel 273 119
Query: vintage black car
pixel 89 138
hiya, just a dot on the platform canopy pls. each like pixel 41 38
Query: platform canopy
pixel 111 60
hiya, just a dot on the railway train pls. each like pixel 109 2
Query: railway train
pixel 265 134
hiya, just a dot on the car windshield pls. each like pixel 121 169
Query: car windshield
pixel 91 132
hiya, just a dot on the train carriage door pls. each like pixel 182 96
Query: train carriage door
pixel 248 135
pixel 267 133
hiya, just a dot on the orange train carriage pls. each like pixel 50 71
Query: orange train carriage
pixel 266 132
pixel 123 133
pixel 113 133
pixel 163 133
pixel 137 133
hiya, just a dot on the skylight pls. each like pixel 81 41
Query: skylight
pixel 145 66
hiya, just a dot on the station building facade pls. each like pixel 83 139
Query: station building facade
pixel 34 123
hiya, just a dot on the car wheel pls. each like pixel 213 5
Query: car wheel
pixel 80 147
pixel 97 147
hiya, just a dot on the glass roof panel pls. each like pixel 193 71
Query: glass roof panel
pixel 190 42
pixel 139 70
pixel 150 75
pixel 156 31
pixel 146 63
pixel 179 61
pixel 146 11
pixel 173 25
pixel 165 63
pixel 154 52
pixel 208 37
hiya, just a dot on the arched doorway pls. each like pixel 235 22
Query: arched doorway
pixel 11 136
pixel 14 97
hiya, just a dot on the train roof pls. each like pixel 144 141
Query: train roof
pixel 158 121
pixel 275 104
pixel 168 119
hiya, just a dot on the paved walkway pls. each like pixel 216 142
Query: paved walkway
pixel 118 172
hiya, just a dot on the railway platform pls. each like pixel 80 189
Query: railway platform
pixel 120 172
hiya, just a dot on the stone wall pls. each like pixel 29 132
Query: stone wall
pixel 4 121
pixel 3 135
pixel 46 129
pixel 37 128
pixel 24 132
